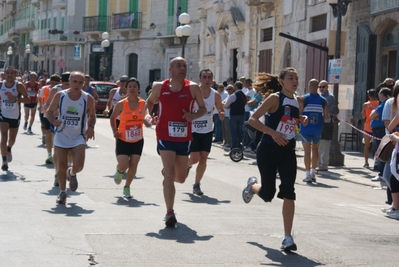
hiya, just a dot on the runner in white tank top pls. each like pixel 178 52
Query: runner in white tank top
pixel 10 113
pixel 76 114
pixel 202 128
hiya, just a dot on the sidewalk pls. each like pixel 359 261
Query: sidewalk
pixel 353 170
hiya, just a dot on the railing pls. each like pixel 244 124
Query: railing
pixel 127 20
pixel 95 23
pixel 24 24
pixel 40 35
pixel 59 2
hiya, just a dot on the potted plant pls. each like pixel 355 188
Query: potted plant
pixel 76 32
pixel 63 37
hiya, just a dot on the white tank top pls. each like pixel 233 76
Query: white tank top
pixel 9 109
pixel 117 97
pixel 73 121
pixel 204 124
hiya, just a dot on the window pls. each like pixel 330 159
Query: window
pixel 319 23
pixel 267 34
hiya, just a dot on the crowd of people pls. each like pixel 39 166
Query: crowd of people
pixel 189 117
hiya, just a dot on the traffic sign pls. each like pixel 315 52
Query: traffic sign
pixel 334 70
pixel 61 63
pixel 35 58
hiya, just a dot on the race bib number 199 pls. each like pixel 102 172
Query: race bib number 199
pixel 177 129
pixel 286 126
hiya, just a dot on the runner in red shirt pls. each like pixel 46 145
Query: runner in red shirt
pixel 32 87
pixel 176 98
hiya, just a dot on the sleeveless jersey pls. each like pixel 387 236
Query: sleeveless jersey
pixel 171 126
pixel 284 119
pixel 9 109
pixel 117 97
pixel 32 91
pixel 370 106
pixel 205 123
pixel 131 122
pixel 73 121
pixel 313 109
pixel 89 90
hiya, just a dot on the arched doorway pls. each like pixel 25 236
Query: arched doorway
pixel 388 52
pixel 133 65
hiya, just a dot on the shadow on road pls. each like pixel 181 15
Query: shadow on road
pixel 205 199
pixel 285 259
pixel 69 209
pixel 132 203
pixel 10 177
pixel 181 234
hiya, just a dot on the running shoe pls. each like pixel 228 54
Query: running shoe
pixel 288 243
pixel 366 165
pixel 197 189
pixel 394 214
pixel 170 219
pixel 313 175
pixel 118 177
pixel 61 199
pixel 387 210
pixel 376 179
pixel 56 180
pixel 188 170
pixel 126 192
pixel 308 178
pixel 73 181
pixel 29 131
pixel 9 156
pixel 25 126
pixel 49 160
pixel 247 193
pixel 4 167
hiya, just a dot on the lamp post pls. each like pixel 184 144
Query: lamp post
pixel 9 54
pixel 27 52
pixel 184 30
pixel 339 8
pixel 104 44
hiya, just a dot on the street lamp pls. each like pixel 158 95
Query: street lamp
pixel 9 54
pixel 104 44
pixel 339 8
pixel 184 30
pixel 27 52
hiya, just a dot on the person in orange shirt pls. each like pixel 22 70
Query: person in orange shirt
pixel 129 134
pixel 43 97
pixel 368 107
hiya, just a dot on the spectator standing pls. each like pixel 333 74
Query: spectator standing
pixel 236 103
pixel 225 123
pixel 368 107
pixel 324 144
pixel 217 123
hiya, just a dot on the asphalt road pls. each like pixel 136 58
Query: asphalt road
pixel 336 223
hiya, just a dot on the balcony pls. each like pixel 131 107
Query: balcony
pixel 10 1
pixel 59 3
pixel 41 36
pixel 24 25
pixel 126 21
pixel 96 24
pixel 68 37
pixel 260 2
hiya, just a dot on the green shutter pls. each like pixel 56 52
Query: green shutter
pixel 134 8
pixel 103 13
pixel 183 6
pixel 62 23
pixel 171 15
pixel 55 23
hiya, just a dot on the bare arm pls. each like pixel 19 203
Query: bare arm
pixel 152 98
pixel 108 107
pixel 219 106
pixel 117 111
pixel 325 112
pixel 53 91
pixel 53 107
pixel 91 122
pixel 197 95
pixel 374 115
pixel 22 91
pixel 95 95
pixel 364 111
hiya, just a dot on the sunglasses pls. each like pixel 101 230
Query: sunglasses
pixel 322 86
pixel 220 87
pixel 123 81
